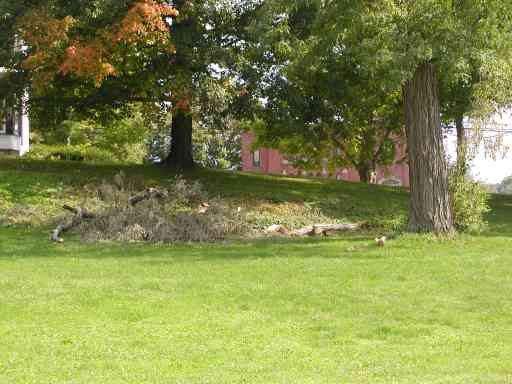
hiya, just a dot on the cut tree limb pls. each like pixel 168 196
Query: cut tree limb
pixel 316 229
pixel 306 231
pixel 149 193
pixel 323 229
pixel 276 228
pixel 80 214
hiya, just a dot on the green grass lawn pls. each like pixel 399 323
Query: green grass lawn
pixel 420 310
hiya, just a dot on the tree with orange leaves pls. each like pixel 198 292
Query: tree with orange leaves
pixel 60 48
pixel 144 50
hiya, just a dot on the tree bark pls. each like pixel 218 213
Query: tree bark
pixel 429 202
pixel 184 35
pixel 180 156
pixel 461 146
pixel 364 174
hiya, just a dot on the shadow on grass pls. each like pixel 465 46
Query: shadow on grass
pixel 19 244
pixel 500 217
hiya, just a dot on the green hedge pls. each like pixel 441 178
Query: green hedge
pixel 70 152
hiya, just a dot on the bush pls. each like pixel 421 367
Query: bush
pixel 69 152
pixel 469 202
pixel 175 218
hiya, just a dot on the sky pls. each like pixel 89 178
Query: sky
pixel 484 168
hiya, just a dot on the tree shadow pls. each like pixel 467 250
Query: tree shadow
pixel 500 217
pixel 21 244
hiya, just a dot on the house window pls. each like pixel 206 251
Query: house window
pixel 256 161
pixel 9 123
pixel 3 119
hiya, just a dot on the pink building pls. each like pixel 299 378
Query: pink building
pixel 265 160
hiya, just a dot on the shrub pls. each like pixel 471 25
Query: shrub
pixel 469 203
pixel 70 152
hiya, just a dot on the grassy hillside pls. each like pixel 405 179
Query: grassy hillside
pixel 420 310
pixel 33 192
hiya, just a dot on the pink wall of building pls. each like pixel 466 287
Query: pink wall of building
pixel 272 162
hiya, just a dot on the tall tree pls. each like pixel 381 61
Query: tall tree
pixel 319 107
pixel 86 58
pixel 409 45
pixel 186 34
pixel 209 36
pixel 133 50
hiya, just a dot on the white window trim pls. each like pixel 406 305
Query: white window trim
pixel 256 158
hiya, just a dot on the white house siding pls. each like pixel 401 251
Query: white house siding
pixel 24 134
pixel 10 143
pixel 20 140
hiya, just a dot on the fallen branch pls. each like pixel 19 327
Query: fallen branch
pixel 306 231
pixel 314 230
pixel 276 228
pixel 149 193
pixel 79 215
pixel 325 229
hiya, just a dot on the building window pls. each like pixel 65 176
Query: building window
pixel 256 161
pixel 8 121
pixel 10 124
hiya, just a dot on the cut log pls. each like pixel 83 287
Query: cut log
pixel 149 193
pixel 325 229
pixel 306 231
pixel 203 208
pixel 276 228
pixel 321 229
pixel 79 215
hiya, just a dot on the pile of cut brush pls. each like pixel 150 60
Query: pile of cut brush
pixel 179 213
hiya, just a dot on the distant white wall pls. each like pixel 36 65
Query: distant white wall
pixel 24 135
pixel 20 141
pixel 9 143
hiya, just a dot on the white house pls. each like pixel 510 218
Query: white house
pixel 14 126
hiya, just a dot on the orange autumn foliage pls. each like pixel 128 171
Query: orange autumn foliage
pixel 57 51
pixel 44 32
pixel 87 61
pixel 145 18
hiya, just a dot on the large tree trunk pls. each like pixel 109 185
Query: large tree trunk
pixel 184 37
pixel 180 156
pixel 461 146
pixel 364 173
pixel 429 202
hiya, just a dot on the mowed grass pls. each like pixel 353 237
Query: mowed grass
pixel 420 310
